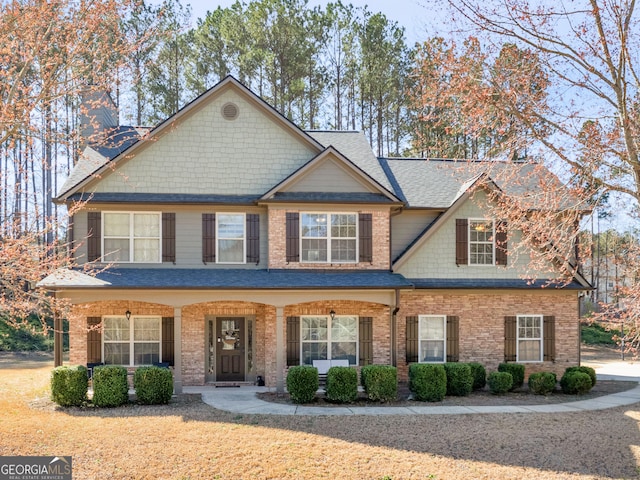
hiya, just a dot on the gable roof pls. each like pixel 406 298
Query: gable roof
pixel 101 159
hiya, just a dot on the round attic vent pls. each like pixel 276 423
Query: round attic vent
pixel 230 111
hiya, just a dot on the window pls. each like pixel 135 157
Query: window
pixel 230 237
pixel 131 237
pixel 324 338
pixel 329 237
pixel 131 342
pixel 481 242
pixel 529 338
pixel 432 342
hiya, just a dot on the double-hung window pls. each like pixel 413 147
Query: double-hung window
pixel 529 341
pixel 230 237
pixel 432 341
pixel 329 237
pixel 131 342
pixel 481 242
pixel 324 338
pixel 131 237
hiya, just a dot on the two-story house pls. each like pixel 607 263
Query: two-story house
pixel 239 245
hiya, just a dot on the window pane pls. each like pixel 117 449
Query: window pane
pixel 116 329
pixel 344 329
pixel 314 225
pixel 432 350
pixel 313 351
pixel 231 251
pixel 146 353
pixel 116 224
pixel 343 225
pixel 314 250
pixel 116 250
pixel 146 250
pixel 230 225
pixel 529 351
pixel 432 328
pixel 146 225
pixel 116 353
pixel 344 351
pixel 146 328
pixel 314 328
pixel 343 250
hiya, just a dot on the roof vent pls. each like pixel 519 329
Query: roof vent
pixel 230 111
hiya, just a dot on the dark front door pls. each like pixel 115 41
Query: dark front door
pixel 230 349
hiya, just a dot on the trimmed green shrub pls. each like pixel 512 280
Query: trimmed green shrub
pixel 110 387
pixel 302 383
pixel 588 370
pixel 542 383
pixel 380 382
pixel 427 382
pixel 479 375
pixel 69 385
pixel 575 383
pixel 342 384
pixel 459 379
pixel 517 373
pixel 500 382
pixel 153 385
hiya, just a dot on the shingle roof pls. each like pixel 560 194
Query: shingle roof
pixel 491 283
pixel 331 197
pixel 158 198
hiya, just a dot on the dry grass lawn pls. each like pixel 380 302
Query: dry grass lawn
pixel 189 440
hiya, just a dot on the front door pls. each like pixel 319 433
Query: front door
pixel 230 349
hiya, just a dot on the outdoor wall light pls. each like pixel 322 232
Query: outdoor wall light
pixel 128 314
pixel 332 313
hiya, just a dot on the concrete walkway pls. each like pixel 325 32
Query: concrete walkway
pixel 244 400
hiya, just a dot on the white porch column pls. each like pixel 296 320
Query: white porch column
pixel 280 350
pixel 177 349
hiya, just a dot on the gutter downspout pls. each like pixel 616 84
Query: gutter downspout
pixel 394 336
pixel 57 336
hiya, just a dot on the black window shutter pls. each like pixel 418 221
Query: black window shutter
pixel 412 339
pixel 501 243
pixel 453 343
pixel 510 339
pixel 253 238
pixel 94 340
pixel 293 341
pixel 365 232
pixel 70 238
pixel 462 239
pixel 549 338
pixel 365 354
pixel 94 236
pixel 167 341
pixel 169 237
pixel 293 237
pixel 208 237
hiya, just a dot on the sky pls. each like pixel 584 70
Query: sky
pixel 411 14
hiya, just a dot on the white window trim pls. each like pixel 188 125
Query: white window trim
pixel 444 340
pixel 131 238
pixel 541 338
pixel 493 242
pixel 328 340
pixel 328 238
pixel 132 340
pixel 244 238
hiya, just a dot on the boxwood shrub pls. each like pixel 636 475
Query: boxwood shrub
pixel 517 373
pixel 380 382
pixel 69 385
pixel 575 383
pixel 479 374
pixel 153 385
pixel 302 383
pixel 588 370
pixel 500 382
pixel 342 384
pixel 110 387
pixel 427 382
pixel 542 383
pixel 459 379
